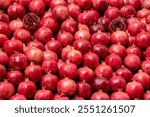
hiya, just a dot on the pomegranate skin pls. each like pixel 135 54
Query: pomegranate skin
pixel 18 96
pixel 99 96
pixel 119 95
pixel 147 95
pixel 146 66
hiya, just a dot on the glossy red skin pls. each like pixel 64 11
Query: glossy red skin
pixel 90 60
pixel 43 34
pixel 3 38
pixel 148 19
pixel 114 61
pixel 70 25
pixel 96 27
pixel 3 58
pixel 23 35
pixel 100 5
pixel 54 3
pixel 33 72
pixel 60 12
pixel 4 29
pixel 17 61
pixel 84 4
pixel 27 88
pixel 132 40
pixel 104 70
pixel 77 98
pixel 34 55
pixel 50 55
pixel 118 49
pixel 125 73
pixel 86 74
pixel 4 4
pixel 132 19
pixel 117 83
pixel 82 34
pixel 116 3
pixel 4 17
pixel 16 11
pixel 15 24
pixel 146 4
pixel 83 89
pixel 104 21
pixel 128 11
pixel 47 14
pixel 146 66
pixel 94 14
pixel 54 45
pixel 82 45
pixel 6 90
pixel 142 13
pixel 136 3
pixel 99 96
pixel 37 6
pixel 74 56
pixel 119 95
pixel 74 10
pixel 12 46
pixel 132 62
pixel 36 44
pixel 135 90
pixel 66 38
pixel 2 72
pixel 49 66
pixel 64 52
pixel 100 84
pixel 112 13
pixel 14 77
pixel 43 94
pixel 69 70
pixel 101 38
pixel 83 27
pixel 101 50
pixel 49 81
pixel 134 50
pixel 60 97
pixel 24 3
pixel 50 23
pixel 119 37
pixel 147 95
pixel 18 96
pixel 67 87
pixel 142 78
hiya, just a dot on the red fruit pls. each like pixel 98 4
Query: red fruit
pixel 101 38
pixel 49 81
pixel 60 12
pixel 117 83
pixel 17 61
pixel 134 50
pixel 97 27
pixel 47 14
pixel 18 96
pixel 43 94
pixel 118 49
pixel 4 4
pixel 54 45
pixel 60 97
pixel 16 11
pixel 6 90
pixel 64 52
pixel 142 78
pixel 15 24
pixel 104 21
pixel 146 66
pixel 2 72
pixel 31 22
pixel 135 3
pixel 82 34
pixel 54 3
pixel 125 73
pixel 119 37
pixel 77 98
pixel 69 70
pixel 49 66
pixel 114 61
pixel 86 74
pixel 74 56
pixel 36 44
pixel 33 72
pixel 104 70
pixel 146 4
pixel 100 84
pixel 34 55
pixel 148 19
pixel 132 62
pixel 67 87
pixel 4 17
pixel 143 40
pixel 90 60
pixel 24 3
pixel 100 5
pixel 147 95
pixel 4 29
pixel 135 90
pixel 37 7
pixel 116 3
pixel 3 58
pixel 27 88
pixel 84 89
pixel 23 35
pixel 14 77
pixel 119 95
pixel 99 96
pixel 50 55
pixel 3 38
pixel 132 41
pixel 84 4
